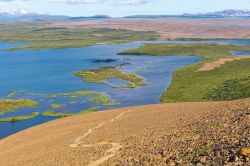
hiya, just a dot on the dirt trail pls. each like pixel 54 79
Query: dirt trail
pixel 111 152
pixel 218 63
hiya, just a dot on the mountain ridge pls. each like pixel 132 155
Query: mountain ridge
pixel 40 16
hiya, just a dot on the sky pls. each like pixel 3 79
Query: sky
pixel 118 8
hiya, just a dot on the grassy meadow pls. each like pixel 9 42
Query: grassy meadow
pixel 42 36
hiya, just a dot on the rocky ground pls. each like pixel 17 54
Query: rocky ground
pixel 208 133
pixel 222 139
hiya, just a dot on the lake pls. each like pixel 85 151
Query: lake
pixel 36 74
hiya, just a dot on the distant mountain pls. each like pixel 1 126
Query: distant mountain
pixel 90 17
pixel 219 14
pixel 22 15
pixel 151 16
pixel 224 13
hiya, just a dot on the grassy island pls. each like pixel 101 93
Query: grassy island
pixel 56 109
pixel 190 84
pixel 99 98
pixel 19 118
pixel 101 75
pixel 10 105
pixel 61 115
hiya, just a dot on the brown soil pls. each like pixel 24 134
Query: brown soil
pixel 173 28
pixel 207 133
pixel 218 63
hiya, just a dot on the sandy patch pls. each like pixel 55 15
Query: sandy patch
pixel 220 62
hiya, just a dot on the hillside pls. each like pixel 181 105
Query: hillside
pixel 214 133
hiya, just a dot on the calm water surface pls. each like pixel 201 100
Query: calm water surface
pixel 51 71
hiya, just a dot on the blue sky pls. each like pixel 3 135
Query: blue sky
pixel 118 8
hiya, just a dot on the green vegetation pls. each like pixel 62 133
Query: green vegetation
pixel 230 90
pixel 10 105
pixel 102 97
pixel 56 110
pixel 190 85
pixel 209 52
pixel 41 36
pixel 110 104
pixel 99 98
pixel 19 118
pixel 100 76
pixel 52 113
pixel 57 105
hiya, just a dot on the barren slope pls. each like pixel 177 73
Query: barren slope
pixel 208 133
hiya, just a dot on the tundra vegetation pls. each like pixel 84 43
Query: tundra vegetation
pixel 43 36
pixel 101 75
pixel 189 84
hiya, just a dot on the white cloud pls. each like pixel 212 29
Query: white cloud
pixel 21 12
pixel 60 1
pixel 77 1
pixel 135 2
pixel 123 2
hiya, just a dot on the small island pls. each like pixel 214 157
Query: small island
pixel 103 74
pixel 19 118
pixel 108 60
pixel 10 105
pixel 55 109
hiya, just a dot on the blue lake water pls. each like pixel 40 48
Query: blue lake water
pixel 240 53
pixel 51 72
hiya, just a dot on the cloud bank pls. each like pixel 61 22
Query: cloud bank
pixel 122 2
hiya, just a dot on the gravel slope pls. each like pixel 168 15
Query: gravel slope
pixel 208 133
